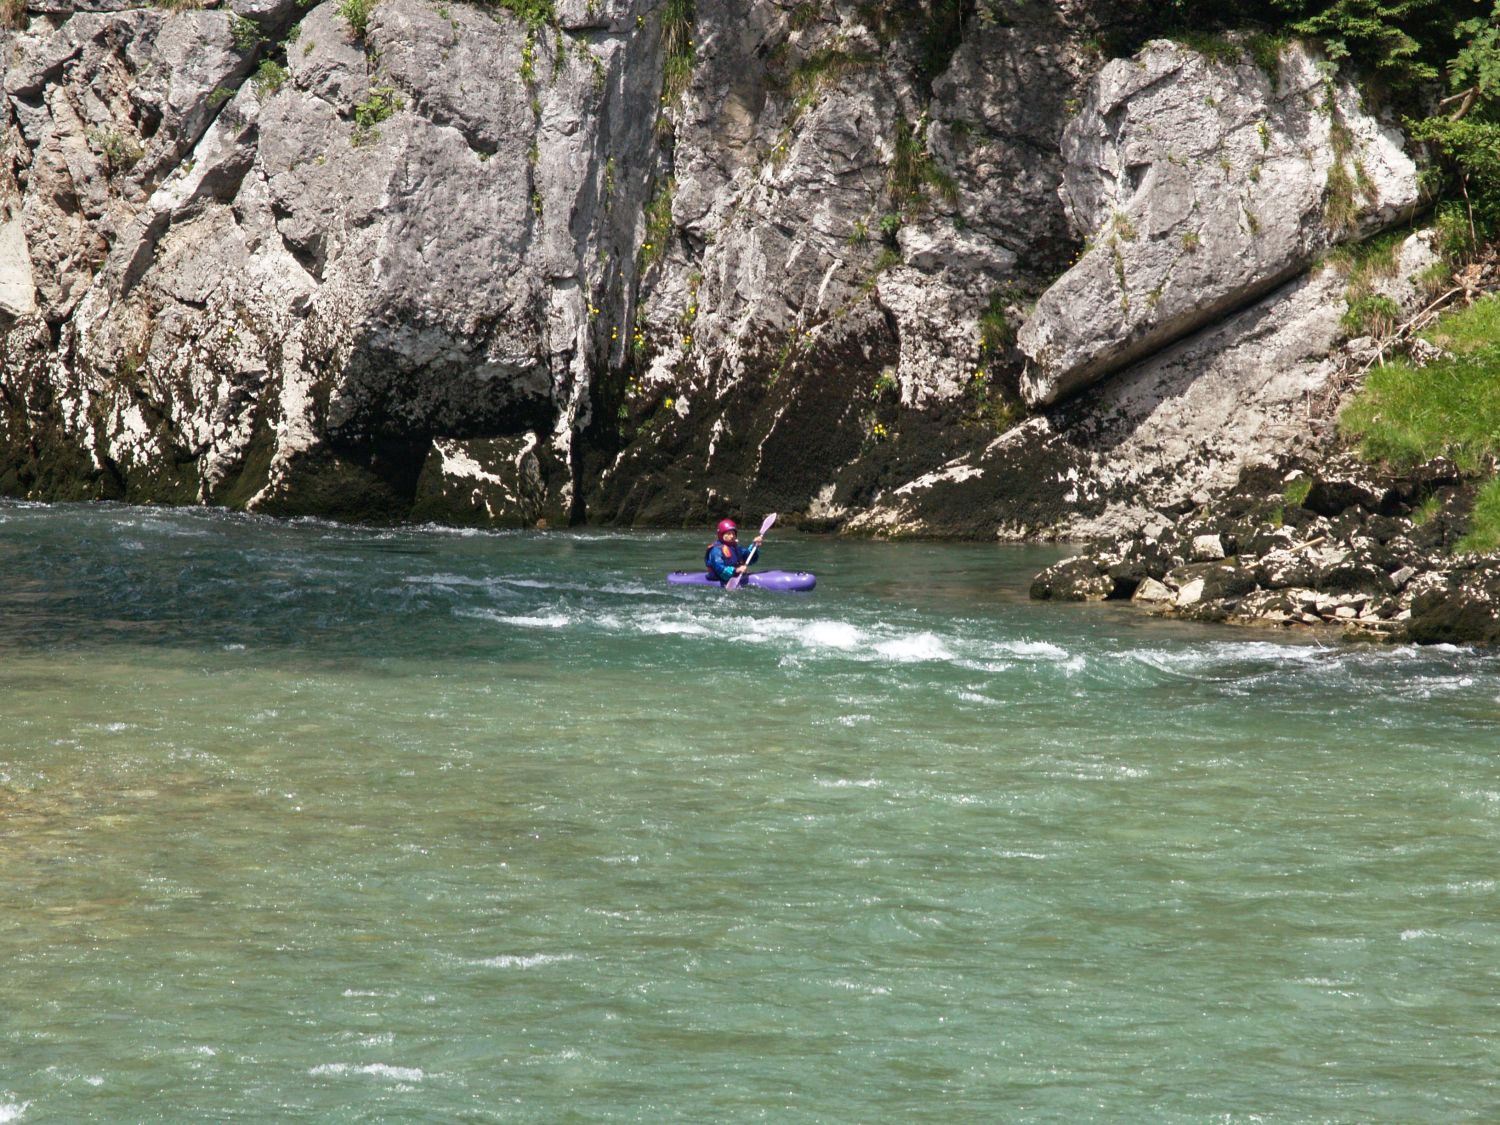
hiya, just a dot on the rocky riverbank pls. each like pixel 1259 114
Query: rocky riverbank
pixel 1373 554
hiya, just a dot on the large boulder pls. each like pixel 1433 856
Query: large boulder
pixel 1201 185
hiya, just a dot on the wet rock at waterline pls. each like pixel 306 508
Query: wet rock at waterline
pixel 1369 552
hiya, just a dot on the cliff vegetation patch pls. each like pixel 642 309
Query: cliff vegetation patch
pixel 1407 415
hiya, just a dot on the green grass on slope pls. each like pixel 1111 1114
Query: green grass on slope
pixel 1407 415
pixel 1484 530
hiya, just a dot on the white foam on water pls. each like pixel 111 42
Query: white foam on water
pixel 1211 657
pixel 447 581
pixel 524 961
pixel 12 1111
pixel 631 589
pixel 665 627
pixel 538 584
pixel 540 621
pixel 917 648
pixel 1034 649
pixel 374 1070
pixel 1417 935
pixel 824 634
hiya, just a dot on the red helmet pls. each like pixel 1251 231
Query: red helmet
pixel 726 526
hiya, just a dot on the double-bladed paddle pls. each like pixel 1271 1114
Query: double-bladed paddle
pixel 734 583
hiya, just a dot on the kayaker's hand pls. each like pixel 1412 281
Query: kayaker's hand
pixel 757 540
pixel 739 569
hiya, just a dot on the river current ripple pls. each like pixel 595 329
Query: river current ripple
pixel 301 821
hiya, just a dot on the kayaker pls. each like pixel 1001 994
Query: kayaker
pixel 726 557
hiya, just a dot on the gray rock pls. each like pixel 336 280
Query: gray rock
pixel 1202 186
pixel 1206 548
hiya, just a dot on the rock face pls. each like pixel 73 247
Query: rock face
pixel 454 265
pixel 841 223
pixel 295 292
pixel 1202 186
pixel 1168 432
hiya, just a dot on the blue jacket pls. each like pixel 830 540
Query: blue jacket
pixel 721 560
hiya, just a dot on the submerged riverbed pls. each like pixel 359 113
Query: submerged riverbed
pixel 300 821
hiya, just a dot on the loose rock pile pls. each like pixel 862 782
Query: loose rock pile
pixel 1346 546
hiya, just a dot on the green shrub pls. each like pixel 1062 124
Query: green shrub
pixel 1296 491
pixel 120 152
pixel 995 331
pixel 912 171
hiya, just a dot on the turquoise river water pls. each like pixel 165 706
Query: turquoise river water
pixel 306 822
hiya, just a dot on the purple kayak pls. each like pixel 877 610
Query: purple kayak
pixel 760 579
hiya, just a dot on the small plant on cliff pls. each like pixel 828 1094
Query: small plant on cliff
pixel 677 20
pixel 658 224
pixel 382 102
pixel 912 171
pixel 356 13
pixel 245 33
pixel 269 78
pixel 1374 314
pixel 12 13
pixel 120 153
pixel 1296 491
pixel 988 406
pixel 535 14
pixel 995 331
pixel 819 71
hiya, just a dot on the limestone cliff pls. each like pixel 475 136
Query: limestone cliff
pixel 644 260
